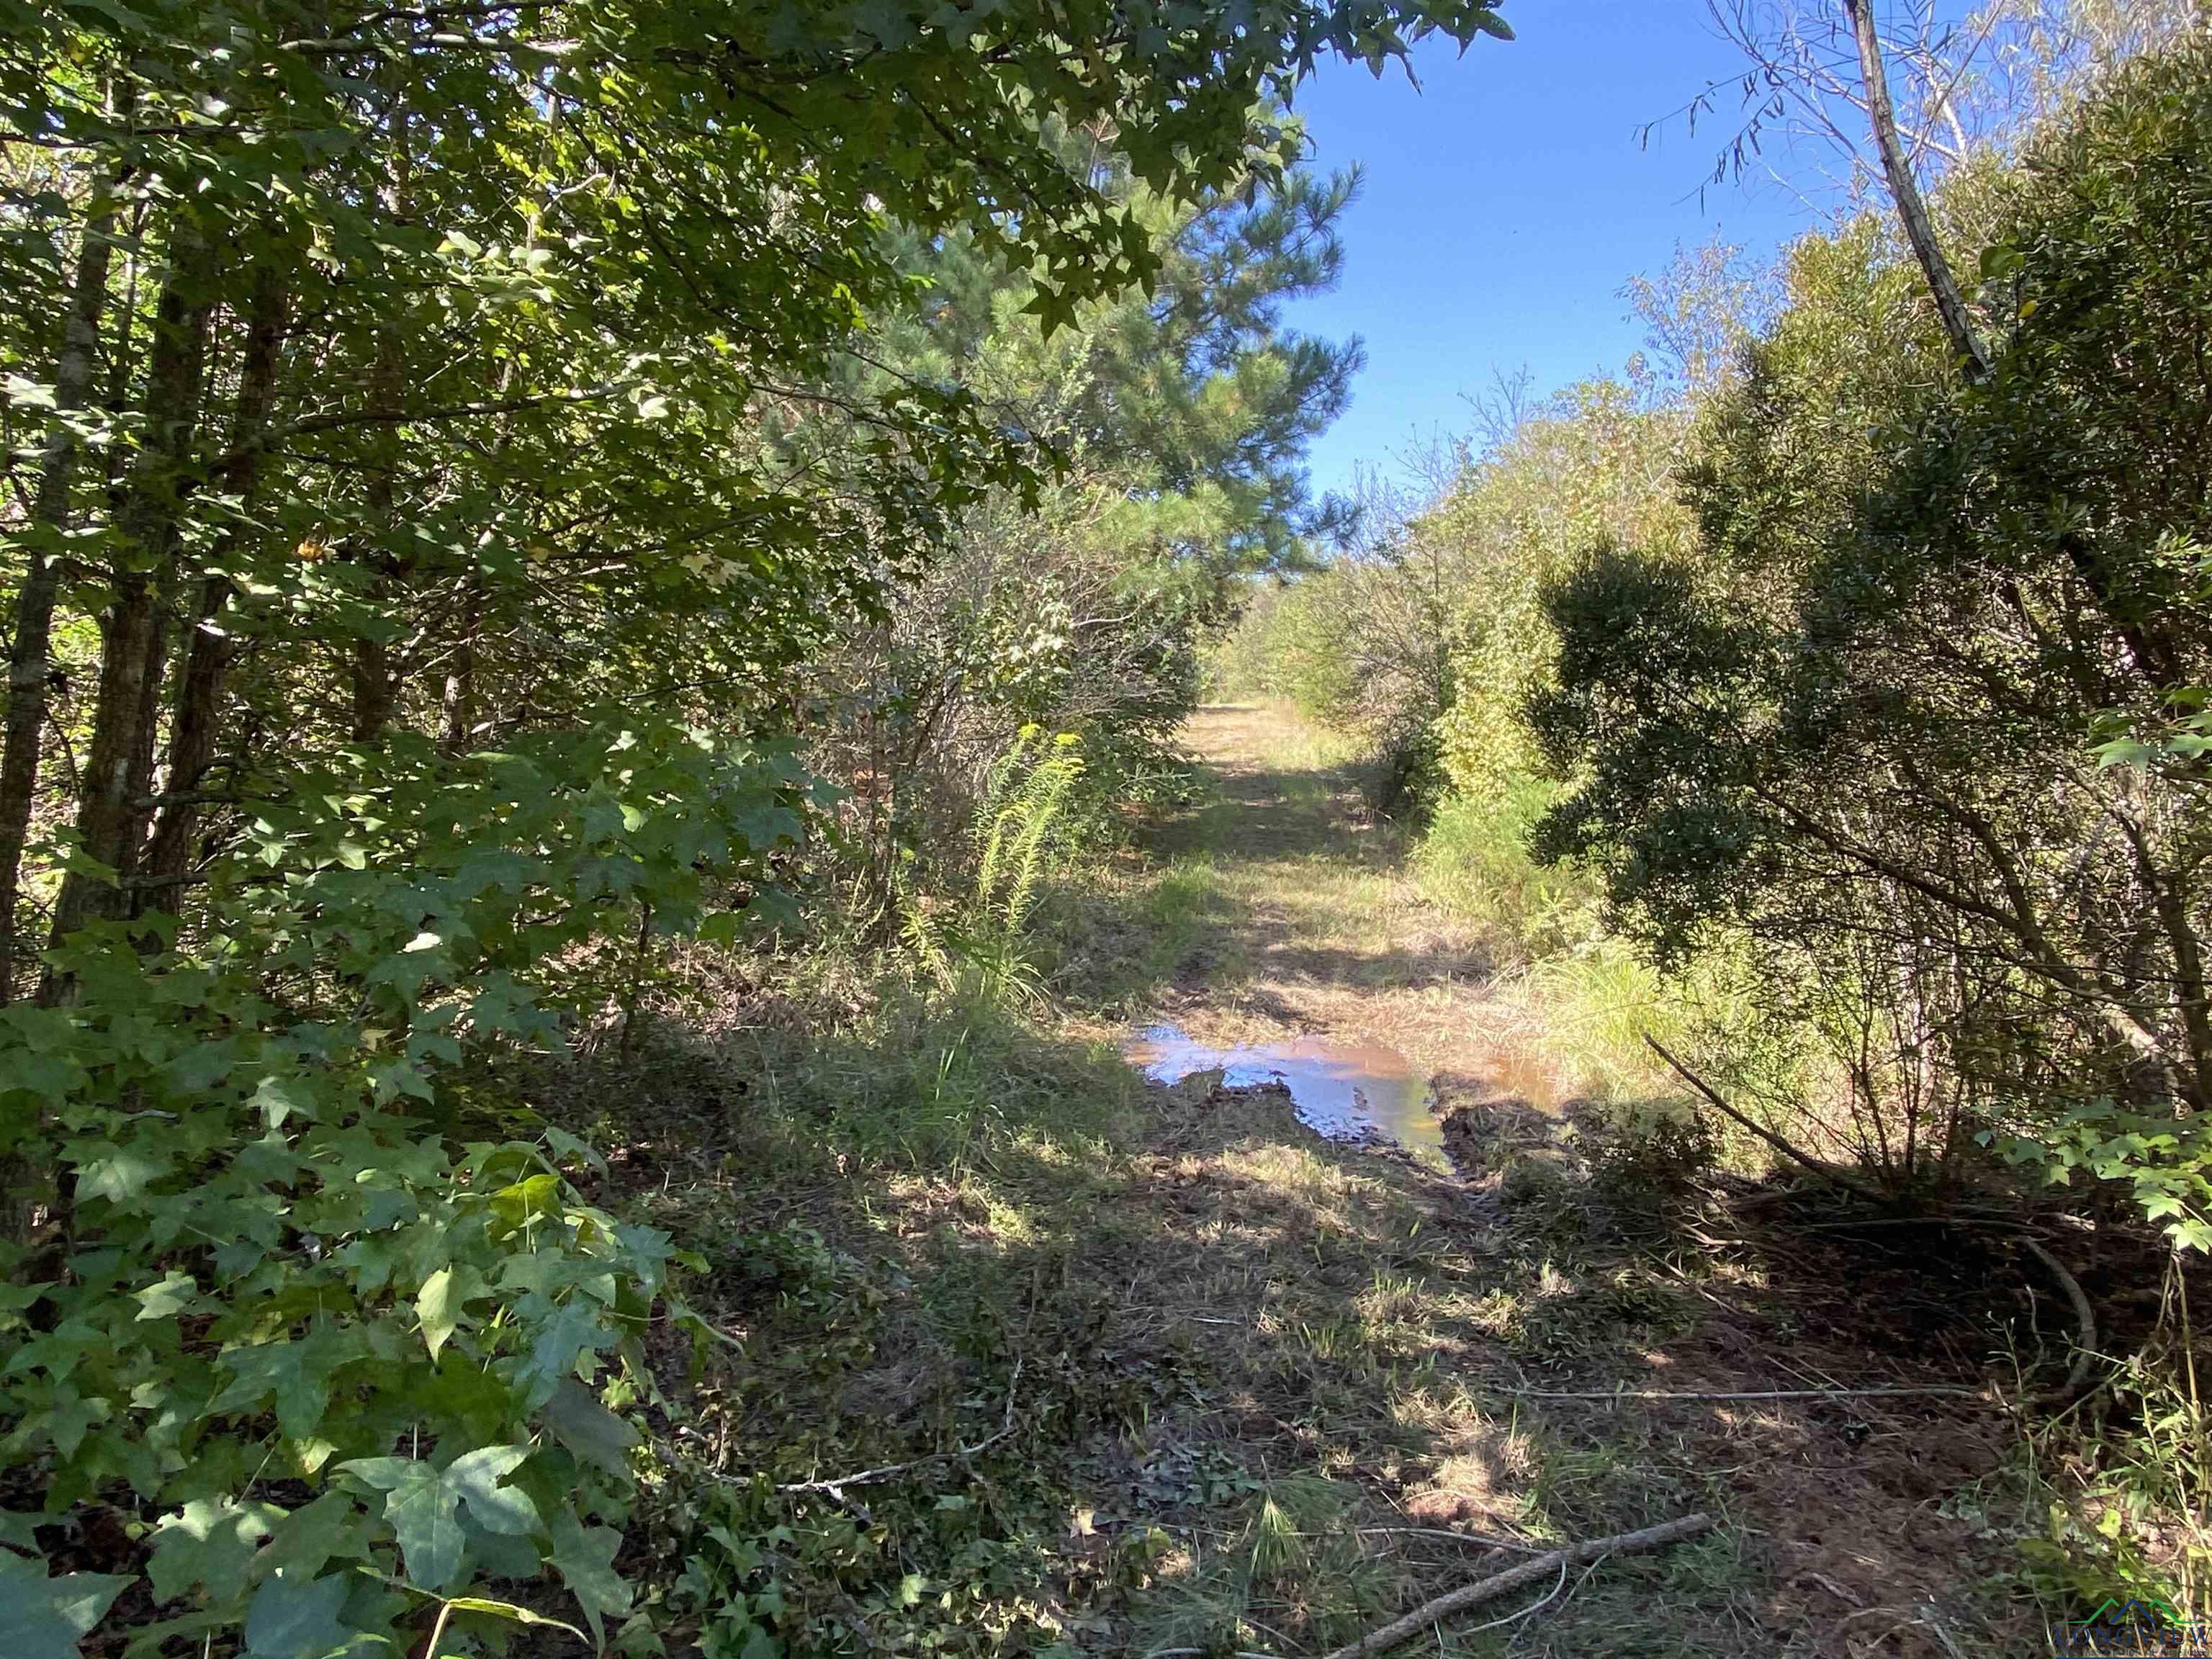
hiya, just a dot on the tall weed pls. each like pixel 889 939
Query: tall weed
pixel 981 952
pixel 1475 860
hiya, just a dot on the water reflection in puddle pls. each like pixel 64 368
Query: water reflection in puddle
pixel 1344 1090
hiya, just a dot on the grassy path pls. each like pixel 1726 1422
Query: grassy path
pixel 1282 907
pixel 1239 1389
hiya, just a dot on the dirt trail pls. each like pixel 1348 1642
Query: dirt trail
pixel 1327 933
pixel 1236 1387
pixel 1853 1525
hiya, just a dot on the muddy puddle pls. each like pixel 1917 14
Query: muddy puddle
pixel 1342 1090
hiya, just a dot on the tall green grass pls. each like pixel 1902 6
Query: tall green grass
pixel 1591 997
pixel 982 951
pixel 1475 861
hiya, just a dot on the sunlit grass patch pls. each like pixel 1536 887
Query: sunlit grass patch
pixel 1288 1568
pixel 1230 1359
pixel 1481 1476
pixel 1474 860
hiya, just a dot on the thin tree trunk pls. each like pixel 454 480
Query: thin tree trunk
pixel 30 648
pixel 457 707
pixel 1950 303
pixel 120 357
pixel 197 720
pixel 138 781
pixel 131 631
pixel 375 679
pixel 459 702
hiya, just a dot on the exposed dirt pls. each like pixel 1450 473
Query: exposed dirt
pixel 1857 1522
pixel 1248 1389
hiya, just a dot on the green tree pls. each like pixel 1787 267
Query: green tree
pixel 1859 728
pixel 1179 418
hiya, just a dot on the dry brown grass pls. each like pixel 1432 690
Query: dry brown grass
pixel 1258 1373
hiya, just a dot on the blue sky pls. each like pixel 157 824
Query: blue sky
pixel 1505 204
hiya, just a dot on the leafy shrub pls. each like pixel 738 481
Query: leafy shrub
pixel 1858 729
pixel 349 1367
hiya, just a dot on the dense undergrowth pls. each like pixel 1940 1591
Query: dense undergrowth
pixel 1005 1351
pixel 1010 1352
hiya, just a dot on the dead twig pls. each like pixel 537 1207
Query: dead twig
pixel 1529 1573
pixel 1849 1183
pixel 1956 1393
pixel 835 1489
pixel 1536 1607
pixel 2085 1330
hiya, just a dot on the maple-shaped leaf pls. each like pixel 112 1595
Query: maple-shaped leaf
pixel 584 1557
pixel 43 1617
pixel 423 1504
pixel 208 1542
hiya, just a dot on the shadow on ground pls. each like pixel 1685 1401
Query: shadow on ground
pixel 1155 1368
pixel 1232 1364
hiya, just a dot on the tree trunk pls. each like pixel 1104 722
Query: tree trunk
pixel 1950 303
pixel 131 630
pixel 195 722
pixel 375 677
pixel 28 651
pixel 146 726
pixel 459 709
pixel 122 357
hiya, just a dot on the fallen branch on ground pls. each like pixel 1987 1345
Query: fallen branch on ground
pixel 1849 1183
pixel 1519 1546
pixel 1529 1573
pixel 1756 1393
pixel 2085 1330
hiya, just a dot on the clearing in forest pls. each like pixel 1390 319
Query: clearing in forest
pixel 1229 1386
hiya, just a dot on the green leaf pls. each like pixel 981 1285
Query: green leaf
pixel 584 1557
pixel 43 1617
pixel 505 1510
pixel 293 1618
pixel 2190 1234
pixel 173 1295
pixel 424 1514
pixel 308 1537
pixel 295 1374
pixel 1054 308
pixel 440 1303
pixel 28 394
pixel 423 1505
pixel 120 1176
pixel 208 1542
pixel 530 1200
pixel 69 1419
pixel 576 1418
pixel 570 1332
pixel 280 1099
